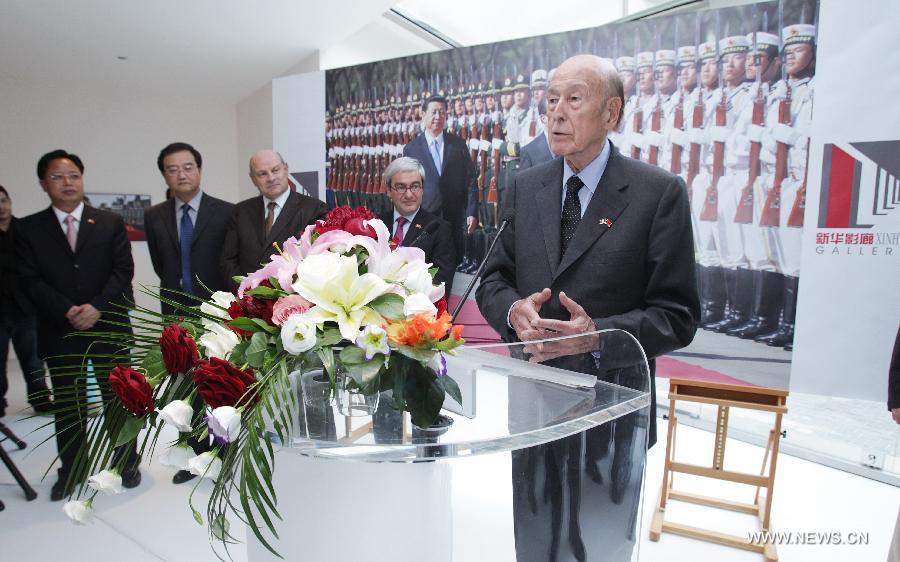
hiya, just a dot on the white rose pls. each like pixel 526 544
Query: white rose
pixel 177 413
pixel 107 481
pixel 218 341
pixel 80 512
pixel 417 303
pixel 225 423
pixel 298 334
pixel 220 298
pixel 177 457
pixel 207 465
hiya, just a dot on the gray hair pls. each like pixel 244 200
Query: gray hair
pixel 400 165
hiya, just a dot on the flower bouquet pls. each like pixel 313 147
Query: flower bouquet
pixel 341 297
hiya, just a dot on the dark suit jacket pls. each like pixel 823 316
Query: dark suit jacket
pixel 638 275
pixel 15 302
pixel 456 184
pixel 165 247
pixel 437 245
pixel 534 153
pixel 894 375
pixel 246 247
pixel 98 272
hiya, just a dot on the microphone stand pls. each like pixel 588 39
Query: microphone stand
pixel 480 269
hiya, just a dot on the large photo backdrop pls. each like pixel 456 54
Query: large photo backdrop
pixel 721 97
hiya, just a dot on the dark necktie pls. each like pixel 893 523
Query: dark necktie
pixel 398 233
pixel 270 218
pixel 187 236
pixel 571 212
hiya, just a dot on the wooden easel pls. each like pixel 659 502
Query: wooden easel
pixel 725 396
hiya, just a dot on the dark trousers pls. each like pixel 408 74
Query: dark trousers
pixel 68 376
pixel 22 331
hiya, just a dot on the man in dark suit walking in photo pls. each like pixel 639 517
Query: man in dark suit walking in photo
pixel 185 233
pixel 450 175
pixel 598 241
pixel 75 263
pixel 411 225
pixel 184 237
pixel 274 216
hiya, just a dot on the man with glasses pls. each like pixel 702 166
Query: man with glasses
pixel 184 234
pixel 274 216
pixel 75 264
pixel 411 225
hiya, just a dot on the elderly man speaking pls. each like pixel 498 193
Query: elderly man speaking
pixel 599 240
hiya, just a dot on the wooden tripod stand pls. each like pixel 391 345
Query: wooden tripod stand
pixel 725 396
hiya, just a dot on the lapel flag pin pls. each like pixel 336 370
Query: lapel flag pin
pixel 90 221
pixel 606 222
pixel 419 226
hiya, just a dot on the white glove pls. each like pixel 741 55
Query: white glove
pixel 653 138
pixel 496 144
pixel 698 135
pixel 786 134
pixel 484 145
pixel 719 134
pixel 779 92
pixel 754 133
pixel 679 137
pixel 473 144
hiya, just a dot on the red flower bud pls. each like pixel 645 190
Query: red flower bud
pixel 132 389
pixel 179 350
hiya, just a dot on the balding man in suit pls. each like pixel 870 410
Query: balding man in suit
pixel 274 216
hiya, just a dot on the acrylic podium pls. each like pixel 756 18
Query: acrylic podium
pixel 543 461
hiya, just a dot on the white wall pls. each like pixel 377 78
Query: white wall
pixel 118 136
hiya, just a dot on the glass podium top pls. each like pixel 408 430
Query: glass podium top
pixel 510 401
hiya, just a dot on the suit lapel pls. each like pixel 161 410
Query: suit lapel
pixel 415 229
pixel 203 214
pixel 86 228
pixel 291 206
pixel 53 227
pixel 169 212
pixel 257 221
pixel 608 202
pixel 548 198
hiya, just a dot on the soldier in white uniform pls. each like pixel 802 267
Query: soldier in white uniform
pixel 763 67
pixel 739 279
pixel 666 82
pixel 625 68
pixel 644 103
pixel 799 55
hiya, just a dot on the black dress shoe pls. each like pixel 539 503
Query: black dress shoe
pixel 131 478
pixel 42 405
pixel 183 476
pixel 59 490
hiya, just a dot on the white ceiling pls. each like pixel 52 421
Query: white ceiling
pixel 220 48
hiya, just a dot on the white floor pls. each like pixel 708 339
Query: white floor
pixel 153 521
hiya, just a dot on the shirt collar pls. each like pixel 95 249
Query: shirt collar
pixel 409 218
pixel 280 200
pixel 194 203
pixel 591 173
pixel 61 215
pixel 430 138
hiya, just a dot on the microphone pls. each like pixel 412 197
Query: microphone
pixel 429 229
pixel 507 219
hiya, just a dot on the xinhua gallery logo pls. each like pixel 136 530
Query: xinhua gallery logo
pixel 860 185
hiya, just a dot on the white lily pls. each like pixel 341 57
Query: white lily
pixel 80 512
pixel 332 282
pixel 416 304
pixel 178 413
pixel 107 481
pixel 219 299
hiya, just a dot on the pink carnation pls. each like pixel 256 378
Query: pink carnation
pixel 286 306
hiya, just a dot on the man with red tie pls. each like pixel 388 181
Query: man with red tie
pixel 411 225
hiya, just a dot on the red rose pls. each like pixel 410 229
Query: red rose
pixel 347 219
pixel 235 310
pixel 357 227
pixel 221 383
pixel 258 308
pixel 441 306
pixel 132 389
pixel 179 350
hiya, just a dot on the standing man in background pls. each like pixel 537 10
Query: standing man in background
pixel 450 176
pixel 76 265
pixel 272 217
pixel 17 321
pixel 184 235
